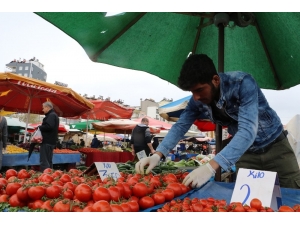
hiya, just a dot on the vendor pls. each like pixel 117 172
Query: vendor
pixel 232 99
pixel 82 143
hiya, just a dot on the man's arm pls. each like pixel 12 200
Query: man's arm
pixel 49 123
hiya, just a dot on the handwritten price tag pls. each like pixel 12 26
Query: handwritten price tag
pixel 260 184
pixel 141 154
pixel 107 169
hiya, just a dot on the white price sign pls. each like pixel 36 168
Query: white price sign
pixel 141 154
pixel 260 184
pixel 107 169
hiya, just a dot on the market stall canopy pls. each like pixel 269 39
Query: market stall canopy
pixel 83 125
pixel 266 39
pixel 14 125
pixel 119 126
pixel 26 95
pixel 173 110
pixel 105 110
pixel 155 123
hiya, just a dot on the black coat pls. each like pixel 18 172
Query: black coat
pixel 49 128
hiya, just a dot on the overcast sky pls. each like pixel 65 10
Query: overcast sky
pixel 26 35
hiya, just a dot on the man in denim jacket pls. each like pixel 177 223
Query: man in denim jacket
pixel 231 99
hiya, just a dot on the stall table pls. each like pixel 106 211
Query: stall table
pixel 222 190
pixel 22 159
pixel 117 157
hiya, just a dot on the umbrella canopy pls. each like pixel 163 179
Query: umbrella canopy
pixel 23 94
pixel 61 128
pixel 14 125
pixel 256 43
pixel 83 125
pixel 105 110
pixel 172 111
pixel 155 123
pixel 120 126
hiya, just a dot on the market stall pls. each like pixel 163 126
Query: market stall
pixel 99 156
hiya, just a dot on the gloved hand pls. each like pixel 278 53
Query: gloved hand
pixel 199 176
pixel 152 161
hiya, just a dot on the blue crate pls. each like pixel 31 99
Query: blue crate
pixel 172 156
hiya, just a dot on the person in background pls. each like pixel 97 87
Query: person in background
pixel 95 142
pixel 141 138
pixel 3 137
pixel 231 99
pixel 82 143
pixel 49 130
pixel 155 143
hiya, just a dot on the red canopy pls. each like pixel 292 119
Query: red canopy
pixel 155 123
pixel 105 110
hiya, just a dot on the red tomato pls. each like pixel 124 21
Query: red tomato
pixel 36 192
pixel 158 198
pixel 127 191
pixel 46 178
pixel 3 182
pixel 87 209
pixel 176 187
pixel 116 208
pixel 101 193
pixel 134 199
pixel 53 191
pixel 70 185
pixel 83 192
pixel 146 202
pixel 134 206
pixel 68 194
pixel 255 203
pixel 121 188
pixel 140 190
pixel 48 170
pixel 12 188
pixel 47 205
pixel 62 206
pixel 132 181
pixel 156 182
pixel 22 194
pixel 184 188
pixel 125 206
pixel 58 183
pixel 23 174
pixel 114 193
pixel 101 206
pixel 285 208
pixel 65 178
pixel 15 202
pixel 170 177
pixel 4 198
pixel 10 173
pixel 169 194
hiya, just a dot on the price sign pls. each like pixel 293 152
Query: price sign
pixel 107 169
pixel 141 154
pixel 260 184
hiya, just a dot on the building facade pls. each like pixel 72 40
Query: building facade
pixel 28 68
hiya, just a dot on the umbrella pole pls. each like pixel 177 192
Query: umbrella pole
pixel 87 129
pixel 220 69
pixel 27 121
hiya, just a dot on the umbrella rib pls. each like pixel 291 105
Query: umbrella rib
pixel 132 22
pixel 279 86
pixel 197 36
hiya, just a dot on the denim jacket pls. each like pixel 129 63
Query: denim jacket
pixel 254 124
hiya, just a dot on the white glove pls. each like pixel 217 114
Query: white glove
pixel 152 161
pixel 199 176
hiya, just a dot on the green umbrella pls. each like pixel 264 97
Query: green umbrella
pixel 83 125
pixel 264 44
pixel 14 125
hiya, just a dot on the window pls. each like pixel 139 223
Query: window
pixel 25 74
pixel 26 67
pixel 20 67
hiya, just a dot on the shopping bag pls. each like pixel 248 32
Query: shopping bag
pixel 37 137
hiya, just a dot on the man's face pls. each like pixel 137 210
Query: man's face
pixel 45 109
pixel 206 93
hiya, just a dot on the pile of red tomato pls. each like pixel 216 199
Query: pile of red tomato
pixel 60 191
pixel 220 205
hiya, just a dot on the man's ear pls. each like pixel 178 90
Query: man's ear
pixel 216 81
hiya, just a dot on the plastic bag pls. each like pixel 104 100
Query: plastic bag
pixel 37 137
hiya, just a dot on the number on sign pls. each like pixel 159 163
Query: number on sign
pixel 248 193
pixel 106 165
